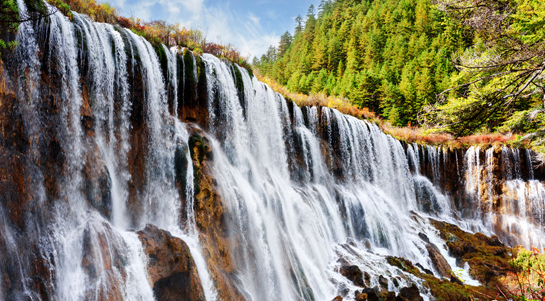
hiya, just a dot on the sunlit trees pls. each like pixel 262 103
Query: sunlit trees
pixel 501 73
pixel 391 56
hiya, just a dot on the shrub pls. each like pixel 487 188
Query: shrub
pixel 529 271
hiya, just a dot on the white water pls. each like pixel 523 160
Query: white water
pixel 93 256
pixel 304 188
pixel 521 212
pixel 293 232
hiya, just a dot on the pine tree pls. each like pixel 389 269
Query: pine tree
pixel 285 42
pixel 392 56
pixel 298 24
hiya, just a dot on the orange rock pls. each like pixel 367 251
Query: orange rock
pixel 171 270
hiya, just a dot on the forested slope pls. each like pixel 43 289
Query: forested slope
pixel 455 66
pixel 392 56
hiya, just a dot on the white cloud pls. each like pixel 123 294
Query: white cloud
pixel 219 23
pixel 254 19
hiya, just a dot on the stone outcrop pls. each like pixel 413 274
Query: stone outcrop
pixel 209 215
pixel 440 263
pixel 171 270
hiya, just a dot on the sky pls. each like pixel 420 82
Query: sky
pixel 249 25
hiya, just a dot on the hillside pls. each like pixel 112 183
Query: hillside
pixel 454 67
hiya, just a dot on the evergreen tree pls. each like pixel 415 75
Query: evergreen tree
pixel 298 25
pixel 285 42
pixel 392 56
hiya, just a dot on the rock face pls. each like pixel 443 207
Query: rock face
pixel 171 269
pixel 495 180
pixel 209 216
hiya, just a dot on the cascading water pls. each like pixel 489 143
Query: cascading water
pixel 88 249
pixel 292 231
pixel 306 190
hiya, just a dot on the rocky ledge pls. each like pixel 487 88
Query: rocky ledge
pixel 171 270
pixel 488 258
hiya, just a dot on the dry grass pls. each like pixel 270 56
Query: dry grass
pixel 319 99
pixel 421 136
pixel 408 134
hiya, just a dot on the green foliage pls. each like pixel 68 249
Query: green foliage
pixel 62 6
pixel 9 15
pixel 530 275
pixel 9 23
pixel 501 78
pixel 391 56
pixel 529 21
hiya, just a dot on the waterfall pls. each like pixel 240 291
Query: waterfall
pixel 283 225
pixel 92 249
pixel 103 151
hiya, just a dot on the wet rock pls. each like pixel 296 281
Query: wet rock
pixel 338 298
pixel 354 274
pixel 487 261
pixel 383 282
pixel 97 183
pixel 217 242
pixel 171 269
pixel 410 293
pixel 102 261
pixel 388 296
pixel 423 269
pixel 424 237
pixel 455 279
pixel 361 297
pixel 193 93
pixel 372 294
pixel 439 262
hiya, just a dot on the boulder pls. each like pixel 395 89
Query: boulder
pixel 371 294
pixel 383 282
pixel 410 293
pixel 354 274
pixel 439 262
pixel 171 270
pixel 361 297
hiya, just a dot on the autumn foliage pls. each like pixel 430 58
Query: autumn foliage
pixel 527 278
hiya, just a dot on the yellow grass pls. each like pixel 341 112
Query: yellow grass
pixel 408 134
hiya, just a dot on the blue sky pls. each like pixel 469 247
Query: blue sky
pixel 250 25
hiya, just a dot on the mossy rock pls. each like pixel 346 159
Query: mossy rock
pixel 487 257
pixel 163 59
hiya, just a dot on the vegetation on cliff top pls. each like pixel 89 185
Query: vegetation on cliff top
pixel 155 31
pixel 408 134
pixel 453 67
